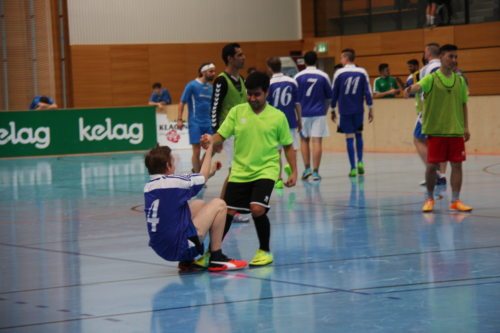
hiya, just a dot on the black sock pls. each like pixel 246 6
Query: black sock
pixel 229 220
pixel 263 228
pixel 216 255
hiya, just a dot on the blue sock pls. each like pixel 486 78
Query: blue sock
pixel 359 146
pixel 350 151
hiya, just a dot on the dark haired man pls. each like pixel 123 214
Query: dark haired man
pixel 385 86
pixel 351 88
pixel 445 122
pixel 314 95
pixel 258 128
pixel 283 96
pixel 160 96
pixel 198 96
pixel 229 90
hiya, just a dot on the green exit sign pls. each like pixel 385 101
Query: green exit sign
pixel 321 47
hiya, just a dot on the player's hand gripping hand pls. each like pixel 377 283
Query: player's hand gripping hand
pixel 206 141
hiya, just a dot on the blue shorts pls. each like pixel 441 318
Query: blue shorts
pixel 417 132
pixel 351 123
pixel 196 131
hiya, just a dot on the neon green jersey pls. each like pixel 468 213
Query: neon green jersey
pixel 257 138
pixel 444 100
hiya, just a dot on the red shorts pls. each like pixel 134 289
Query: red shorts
pixel 444 149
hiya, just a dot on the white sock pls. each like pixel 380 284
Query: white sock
pixel 427 19
pixel 432 19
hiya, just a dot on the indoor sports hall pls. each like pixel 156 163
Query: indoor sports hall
pixel 351 253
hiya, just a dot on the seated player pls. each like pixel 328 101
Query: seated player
pixel 176 226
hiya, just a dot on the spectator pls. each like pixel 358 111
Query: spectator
pixel 42 103
pixel 385 86
pixel 250 70
pixel 160 96
pixel 414 77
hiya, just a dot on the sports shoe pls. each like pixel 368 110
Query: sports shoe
pixel 261 258
pixel 203 260
pixel 189 266
pixel 316 176
pixel 307 173
pixel 422 183
pixel 428 206
pixel 441 181
pixel 353 173
pixel 288 170
pixel 459 206
pixel 279 184
pixel 241 218
pixel 226 264
pixel 361 168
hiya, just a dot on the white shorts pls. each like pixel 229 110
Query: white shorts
pixel 295 135
pixel 228 148
pixel 315 127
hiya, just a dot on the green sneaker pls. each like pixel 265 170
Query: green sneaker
pixel 353 173
pixel 203 260
pixel 288 170
pixel 261 258
pixel 361 168
pixel 279 184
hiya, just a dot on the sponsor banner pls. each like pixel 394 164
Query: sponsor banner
pixel 73 131
pixel 169 135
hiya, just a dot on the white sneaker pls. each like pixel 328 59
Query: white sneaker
pixel 241 218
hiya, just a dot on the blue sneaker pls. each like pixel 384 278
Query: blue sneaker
pixel 307 173
pixel 316 176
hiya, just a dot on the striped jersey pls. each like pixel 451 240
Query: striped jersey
pixel 314 91
pixel 283 96
pixel 168 215
pixel 351 86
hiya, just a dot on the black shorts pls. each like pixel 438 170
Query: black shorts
pixel 239 196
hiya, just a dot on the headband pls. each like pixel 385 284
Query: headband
pixel 207 67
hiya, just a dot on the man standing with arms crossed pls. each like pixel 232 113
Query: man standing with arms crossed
pixel 198 96
pixel 351 86
pixel 229 90
pixel 314 95
pixel 258 129
pixel 445 122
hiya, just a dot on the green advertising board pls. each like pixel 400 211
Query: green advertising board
pixel 76 131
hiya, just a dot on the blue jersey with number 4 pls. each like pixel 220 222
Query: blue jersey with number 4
pixel 351 87
pixel 283 96
pixel 314 91
pixel 168 215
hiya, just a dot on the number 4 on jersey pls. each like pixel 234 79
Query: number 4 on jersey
pixel 152 215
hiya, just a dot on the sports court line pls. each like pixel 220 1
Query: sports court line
pixel 430 282
pixel 82 254
pixel 167 309
pixel 437 287
pixel 168 275
pixel 386 256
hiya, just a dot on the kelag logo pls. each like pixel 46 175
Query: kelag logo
pixel 133 133
pixel 39 137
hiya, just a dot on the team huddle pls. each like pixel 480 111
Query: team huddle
pixel 252 120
